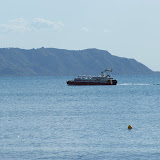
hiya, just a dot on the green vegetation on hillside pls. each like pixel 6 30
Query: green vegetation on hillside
pixel 57 62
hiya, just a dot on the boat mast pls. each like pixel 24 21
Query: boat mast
pixel 108 70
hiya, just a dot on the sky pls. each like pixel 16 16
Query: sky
pixel 125 28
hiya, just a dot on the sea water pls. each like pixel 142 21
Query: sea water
pixel 43 118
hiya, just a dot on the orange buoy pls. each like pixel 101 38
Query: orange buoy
pixel 129 127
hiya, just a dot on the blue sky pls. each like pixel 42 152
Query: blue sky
pixel 125 28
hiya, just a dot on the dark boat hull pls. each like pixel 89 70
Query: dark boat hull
pixel 114 82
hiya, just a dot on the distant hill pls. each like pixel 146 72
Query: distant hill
pixel 57 62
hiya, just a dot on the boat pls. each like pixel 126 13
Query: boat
pixel 102 79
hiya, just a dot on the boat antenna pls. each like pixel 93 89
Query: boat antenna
pixel 110 70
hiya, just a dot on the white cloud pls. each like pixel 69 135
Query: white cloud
pixel 106 31
pixel 85 29
pixel 21 25
pixel 18 20
pixel 44 23
pixel 16 25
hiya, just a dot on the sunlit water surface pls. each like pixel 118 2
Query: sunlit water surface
pixel 43 118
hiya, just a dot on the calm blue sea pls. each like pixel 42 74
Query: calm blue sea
pixel 43 118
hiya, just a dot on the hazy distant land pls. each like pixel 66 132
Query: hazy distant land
pixel 60 62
